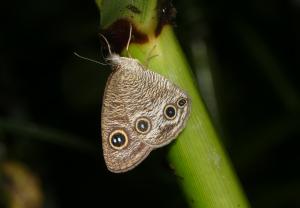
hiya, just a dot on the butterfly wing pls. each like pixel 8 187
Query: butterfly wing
pixel 141 111
pixel 148 98
pixel 122 150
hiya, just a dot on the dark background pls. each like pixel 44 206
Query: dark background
pixel 50 99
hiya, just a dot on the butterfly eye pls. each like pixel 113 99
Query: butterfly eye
pixel 170 112
pixel 118 139
pixel 181 102
pixel 143 125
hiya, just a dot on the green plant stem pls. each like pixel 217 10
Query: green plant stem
pixel 197 157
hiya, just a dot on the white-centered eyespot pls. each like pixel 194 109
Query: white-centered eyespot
pixel 181 102
pixel 118 139
pixel 170 112
pixel 143 125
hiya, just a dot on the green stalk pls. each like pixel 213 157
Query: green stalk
pixel 197 157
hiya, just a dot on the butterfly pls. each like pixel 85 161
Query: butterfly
pixel 141 111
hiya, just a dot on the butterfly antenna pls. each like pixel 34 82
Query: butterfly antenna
pixel 88 59
pixel 106 41
pixel 129 39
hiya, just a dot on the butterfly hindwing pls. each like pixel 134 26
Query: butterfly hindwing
pixel 147 95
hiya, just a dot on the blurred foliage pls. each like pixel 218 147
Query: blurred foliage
pixel 250 85
pixel 20 186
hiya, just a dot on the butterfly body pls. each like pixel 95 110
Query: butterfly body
pixel 141 111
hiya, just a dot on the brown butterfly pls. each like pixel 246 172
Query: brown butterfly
pixel 141 111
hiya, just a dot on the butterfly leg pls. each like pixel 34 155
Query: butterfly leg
pixel 150 56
